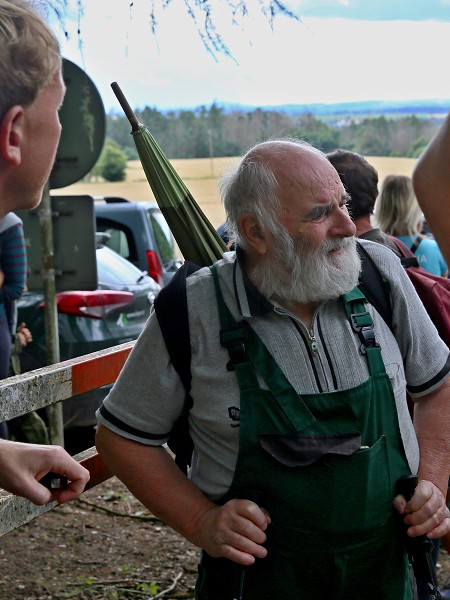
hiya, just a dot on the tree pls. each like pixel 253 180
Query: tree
pixel 112 163
pixel 316 132
pixel 202 12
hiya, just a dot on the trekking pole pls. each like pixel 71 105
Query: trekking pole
pixel 419 548
pixel 258 498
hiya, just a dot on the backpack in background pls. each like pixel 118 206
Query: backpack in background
pixel 433 290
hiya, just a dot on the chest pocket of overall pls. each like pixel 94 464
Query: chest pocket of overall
pixel 342 480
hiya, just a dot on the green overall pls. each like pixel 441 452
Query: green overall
pixel 325 467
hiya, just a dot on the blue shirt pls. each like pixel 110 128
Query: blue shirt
pixel 428 254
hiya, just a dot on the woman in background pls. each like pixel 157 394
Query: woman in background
pixel 399 214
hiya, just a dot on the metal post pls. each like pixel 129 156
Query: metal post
pixel 211 151
pixel 54 412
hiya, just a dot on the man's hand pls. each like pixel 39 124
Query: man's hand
pixel 235 531
pixel 23 465
pixel 426 513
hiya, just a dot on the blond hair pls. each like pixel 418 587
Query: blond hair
pixel 397 210
pixel 29 54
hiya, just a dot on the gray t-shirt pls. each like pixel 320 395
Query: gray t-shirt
pixel 149 396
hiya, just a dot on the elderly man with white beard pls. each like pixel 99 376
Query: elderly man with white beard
pixel 299 443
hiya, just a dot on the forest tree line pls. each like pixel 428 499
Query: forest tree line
pixel 212 131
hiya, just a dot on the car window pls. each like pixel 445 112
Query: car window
pixel 113 269
pixel 163 236
pixel 120 238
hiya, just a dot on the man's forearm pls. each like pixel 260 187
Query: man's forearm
pixel 151 475
pixel 432 424
pixel 431 179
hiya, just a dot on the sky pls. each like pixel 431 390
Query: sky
pixel 336 51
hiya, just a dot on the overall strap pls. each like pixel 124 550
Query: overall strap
pixel 234 335
pixel 362 323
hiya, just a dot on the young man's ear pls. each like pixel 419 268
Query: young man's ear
pixel 11 136
pixel 253 233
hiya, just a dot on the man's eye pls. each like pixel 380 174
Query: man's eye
pixel 320 213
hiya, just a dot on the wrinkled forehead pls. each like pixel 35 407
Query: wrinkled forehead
pixel 308 175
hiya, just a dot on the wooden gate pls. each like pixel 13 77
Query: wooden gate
pixel 36 389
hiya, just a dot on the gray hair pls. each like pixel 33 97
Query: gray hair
pixel 252 187
pixel 29 54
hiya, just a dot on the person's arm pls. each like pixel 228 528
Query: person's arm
pixel 23 465
pixel 427 512
pixel 431 180
pixel 234 531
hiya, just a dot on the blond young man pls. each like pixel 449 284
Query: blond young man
pixel 31 92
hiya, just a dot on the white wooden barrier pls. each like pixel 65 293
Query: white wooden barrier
pixel 36 389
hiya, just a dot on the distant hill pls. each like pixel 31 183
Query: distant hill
pixel 404 107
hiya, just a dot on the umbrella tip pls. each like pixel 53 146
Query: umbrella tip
pixel 134 122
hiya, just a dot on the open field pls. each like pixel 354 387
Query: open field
pixel 201 176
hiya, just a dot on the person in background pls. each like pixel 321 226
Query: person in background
pixel 29 427
pixel 431 181
pixel 13 275
pixel 398 213
pixel 31 93
pixel 360 179
pixel 301 434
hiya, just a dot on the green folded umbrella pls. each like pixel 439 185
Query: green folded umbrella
pixel 197 239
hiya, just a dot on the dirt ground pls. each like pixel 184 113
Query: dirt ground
pixel 105 546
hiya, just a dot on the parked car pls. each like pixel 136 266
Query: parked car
pixel 88 321
pixel 139 232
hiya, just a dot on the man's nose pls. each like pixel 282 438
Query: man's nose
pixel 342 224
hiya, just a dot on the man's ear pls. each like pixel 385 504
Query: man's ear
pixel 11 135
pixel 253 233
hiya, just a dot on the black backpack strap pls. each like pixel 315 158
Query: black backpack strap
pixel 415 244
pixel 172 314
pixel 373 286
pixel 407 256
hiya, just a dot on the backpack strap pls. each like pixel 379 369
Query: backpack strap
pixel 415 244
pixel 408 259
pixel 373 286
pixel 172 314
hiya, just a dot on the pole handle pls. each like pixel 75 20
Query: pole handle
pixel 406 486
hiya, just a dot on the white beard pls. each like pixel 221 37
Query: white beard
pixel 293 273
